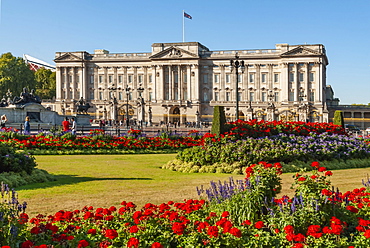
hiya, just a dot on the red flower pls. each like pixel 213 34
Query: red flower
pixel 225 214
pixel 111 234
pixel 156 245
pixel 259 224
pixel 213 231
pixel 367 234
pixel 328 173
pixel 301 179
pixel 133 242
pixel 91 231
pixel 83 243
pixel 134 229
pixel 246 223
pixel 315 164
pixel 322 169
pixel 289 229
pixel 236 232
pixel 352 209
pixel 27 244
pixel 178 228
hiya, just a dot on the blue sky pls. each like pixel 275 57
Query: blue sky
pixel 42 27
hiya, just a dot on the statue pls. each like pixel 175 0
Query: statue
pixel 4 102
pixel 82 106
pixel 34 97
pixel 26 97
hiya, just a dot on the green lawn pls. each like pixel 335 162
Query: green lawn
pixel 105 180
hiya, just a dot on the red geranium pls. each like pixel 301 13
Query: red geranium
pixel 83 243
pixel 111 234
pixel 259 224
pixel 133 242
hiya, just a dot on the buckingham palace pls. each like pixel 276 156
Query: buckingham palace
pixel 181 82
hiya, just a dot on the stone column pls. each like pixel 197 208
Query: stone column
pixel 59 78
pixel 258 83
pixel 170 83
pixel 189 83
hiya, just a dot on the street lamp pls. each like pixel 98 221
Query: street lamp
pixel 237 64
pixel 127 96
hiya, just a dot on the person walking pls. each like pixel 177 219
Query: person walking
pixel 65 125
pixel 74 126
pixel 3 120
pixel 27 126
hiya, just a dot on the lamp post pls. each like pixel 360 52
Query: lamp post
pixel 237 64
pixel 127 96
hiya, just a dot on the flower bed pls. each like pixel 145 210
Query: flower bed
pixel 228 156
pixel 238 214
pixel 97 142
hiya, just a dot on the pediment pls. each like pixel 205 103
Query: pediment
pixel 174 53
pixel 300 51
pixel 68 57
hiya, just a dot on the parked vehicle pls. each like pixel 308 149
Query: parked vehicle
pixel 352 128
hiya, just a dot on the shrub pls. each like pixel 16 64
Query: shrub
pixel 219 120
pixel 338 118
pixel 12 160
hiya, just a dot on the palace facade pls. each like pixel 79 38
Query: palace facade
pixel 181 82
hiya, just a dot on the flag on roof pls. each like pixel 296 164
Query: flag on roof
pixel 187 15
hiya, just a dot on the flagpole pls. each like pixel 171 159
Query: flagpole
pixel 183 25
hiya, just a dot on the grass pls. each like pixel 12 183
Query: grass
pixel 106 180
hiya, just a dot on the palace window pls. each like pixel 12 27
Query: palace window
pixel 276 96
pixel 263 77
pixel 251 78
pixel 227 96
pixel 91 95
pixel 216 96
pixel 312 76
pixel 227 78
pixel 100 95
pixel 291 96
pixel 140 78
pixel 130 79
pixel 291 77
pixel 251 96
pixel 312 96
pixel 276 78
pixel 120 96
pixel 264 96
pixel 216 78
pixel 120 79
pixel 100 79
pixel 301 76
pixel 150 79
pixel 239 96
pixel 91 79
pixel 110 79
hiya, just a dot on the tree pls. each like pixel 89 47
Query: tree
pixel 338 118
pixel 45 83
pixel 219 120
pixel 15 74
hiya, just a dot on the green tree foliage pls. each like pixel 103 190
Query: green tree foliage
pixel 15 74
pixel 338 118
pixel 45 83
pixel 219 120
